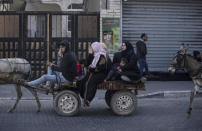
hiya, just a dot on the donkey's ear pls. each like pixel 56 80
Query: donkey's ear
pixel 182 47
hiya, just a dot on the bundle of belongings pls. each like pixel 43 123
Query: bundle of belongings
pixel 129 81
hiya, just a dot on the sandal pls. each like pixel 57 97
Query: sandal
pixel 86 103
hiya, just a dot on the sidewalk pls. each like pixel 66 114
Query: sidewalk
pixel 153 89
pixel 167 89
pixel 154 86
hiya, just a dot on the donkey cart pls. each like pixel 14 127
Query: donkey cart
pixel 120 97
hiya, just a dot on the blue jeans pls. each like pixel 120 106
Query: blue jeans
pixel 48 78
pixel 49 72
pixel 143 65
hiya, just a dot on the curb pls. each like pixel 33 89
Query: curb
pixel 169 94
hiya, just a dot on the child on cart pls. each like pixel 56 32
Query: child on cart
pixel 116 70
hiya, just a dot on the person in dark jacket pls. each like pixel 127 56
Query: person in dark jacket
pixel 131 70
pixel 99 65
pixel 61 48
pixel 66 70
pixel 141 54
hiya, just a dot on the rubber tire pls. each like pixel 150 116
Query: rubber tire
pixel 108 96
pixel 129 110
pixel 60 112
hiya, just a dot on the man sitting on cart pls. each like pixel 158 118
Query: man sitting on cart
pixel 65 71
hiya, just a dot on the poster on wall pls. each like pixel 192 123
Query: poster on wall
pixel 111 33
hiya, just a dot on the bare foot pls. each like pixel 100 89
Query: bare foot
pixel 46 87
pixel 26 84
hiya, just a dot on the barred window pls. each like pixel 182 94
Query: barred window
pixel 6 1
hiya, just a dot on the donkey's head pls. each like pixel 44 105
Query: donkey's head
pixel 178 62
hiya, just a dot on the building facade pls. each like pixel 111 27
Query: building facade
pixel 168 23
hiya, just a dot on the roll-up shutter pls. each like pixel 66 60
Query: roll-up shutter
pixel 168 23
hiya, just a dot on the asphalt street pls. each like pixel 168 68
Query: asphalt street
pixel 152 115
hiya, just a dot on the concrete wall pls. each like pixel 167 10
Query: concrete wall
pixel 93 6
pixel 18 5
pixel 62 3
pixel 39 6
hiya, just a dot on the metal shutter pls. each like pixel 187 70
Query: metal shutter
pixel 168 23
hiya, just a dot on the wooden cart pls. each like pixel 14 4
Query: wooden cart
pixel 119 96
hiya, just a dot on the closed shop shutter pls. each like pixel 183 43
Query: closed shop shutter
pixel 168 23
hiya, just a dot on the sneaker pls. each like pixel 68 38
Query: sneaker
pixel 143 79
pixel 125 78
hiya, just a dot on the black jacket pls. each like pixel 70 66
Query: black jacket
pixel 141 50
pixel 117 58
pixel 132 65
pixel 67 66
pixel 100 67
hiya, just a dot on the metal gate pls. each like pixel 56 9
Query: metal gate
pixel 34 35
pixel 168 23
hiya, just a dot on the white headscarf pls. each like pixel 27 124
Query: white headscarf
pixel 97 50
pixel 104 46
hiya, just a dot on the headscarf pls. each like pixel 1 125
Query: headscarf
pixel 128 52
pixel 104 46
pixel 98 50
pixel 60 54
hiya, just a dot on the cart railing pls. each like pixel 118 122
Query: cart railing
pixel 120 85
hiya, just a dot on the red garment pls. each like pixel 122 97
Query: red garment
pixel 79 69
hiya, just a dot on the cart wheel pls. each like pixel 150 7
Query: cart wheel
pixel 123 103
pixel 67 103
pixel 108 96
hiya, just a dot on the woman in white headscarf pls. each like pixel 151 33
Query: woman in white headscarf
pixel 97 71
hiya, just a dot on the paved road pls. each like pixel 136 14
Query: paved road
pixel 151 115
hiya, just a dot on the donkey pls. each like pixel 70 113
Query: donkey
pixel 12 70
pixel 186 61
